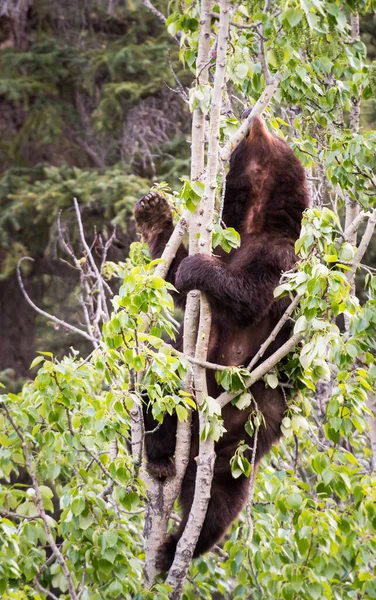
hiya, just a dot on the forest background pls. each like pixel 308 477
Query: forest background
pixel 91 108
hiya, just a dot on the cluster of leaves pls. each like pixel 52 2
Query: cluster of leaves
pixel 313 510
pixel 69 416
pixel 68 420
pixel 302 514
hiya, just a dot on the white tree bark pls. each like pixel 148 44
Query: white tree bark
pixel 163 495
pixel 204 226
pixel 372 427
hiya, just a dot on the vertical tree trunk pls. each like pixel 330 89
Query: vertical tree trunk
pixel 17 329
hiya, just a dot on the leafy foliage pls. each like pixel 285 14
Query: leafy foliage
pixel 312 527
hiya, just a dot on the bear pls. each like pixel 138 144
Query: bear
pixel 266 194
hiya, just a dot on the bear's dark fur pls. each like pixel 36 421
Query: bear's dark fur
pixel 266 195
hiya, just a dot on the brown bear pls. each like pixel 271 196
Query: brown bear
pixel 266 194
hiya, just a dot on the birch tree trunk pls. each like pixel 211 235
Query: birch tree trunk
pixel 204 226
pixel 163 495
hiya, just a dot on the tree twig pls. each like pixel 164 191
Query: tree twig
pixel 348 234
pixel 173 245
pixel 257 110
pixel 90 258
pixel 44 590
pixel 151 8
pixel 367 236
pixel 43 312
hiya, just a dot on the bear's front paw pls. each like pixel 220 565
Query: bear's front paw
pixel 192 273
pixel 152 210
pixel 161 468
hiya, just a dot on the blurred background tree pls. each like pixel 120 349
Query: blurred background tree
pixel 86 111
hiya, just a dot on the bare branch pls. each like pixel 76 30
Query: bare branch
pixel 137 433
pixel 264 64
pixel 90 258
pixel 90 326
pixel 154 11
pixel 195 361
pixel 352 207
pixel 251 493
pixel 236 24
pixel 44 590
pixel 173 245
pixel 257 110
pixel 363 245
pixel 349 233
pixel 13 515
pixel 371 404
pixel 46 314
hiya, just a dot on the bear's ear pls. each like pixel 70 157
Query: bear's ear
pixel 258 130
pixel 246 112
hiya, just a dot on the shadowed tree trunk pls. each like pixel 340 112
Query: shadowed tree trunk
pixel 17 329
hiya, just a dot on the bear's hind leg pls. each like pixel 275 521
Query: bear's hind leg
pixel 227 498
pixel 226 501
pixel 160 446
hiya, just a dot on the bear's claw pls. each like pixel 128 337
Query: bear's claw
pixel 152 208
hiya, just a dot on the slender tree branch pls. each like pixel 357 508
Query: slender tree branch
pixel 173 245
pixel 352 207
pixel 137 430
pixel 90 258
pixel 275 332
pixel 235 24
pixel 257 110
pixel 371 404
pixel 154 11
pixel 90 326
pixel 349 233
pixel 264 64
pixel 264 368
pixel 44 590
pixel 13 515
pixel 363 245
pixel 251 493
pixel 46 314
pixel 195 361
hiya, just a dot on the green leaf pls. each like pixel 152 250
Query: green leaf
pixel 244 401
pixel 272 380
pixel 293 16
pixel 294 501
pixel 86 522
pixel 36 361
pixel 182 412
pixel 78 505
